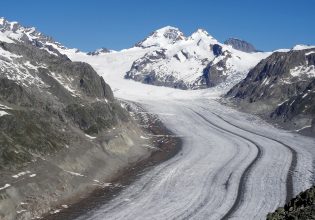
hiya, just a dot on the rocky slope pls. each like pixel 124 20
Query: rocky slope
pixel 240 45
pixel 194 62
pixel 300 207
pixel 282 88
pixel 62 133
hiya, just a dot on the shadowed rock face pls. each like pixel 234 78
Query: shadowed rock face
pixel 214 73
pixel 67 94
pixel 282 86
pixel 151 76
pixel 240 45
pixel 217 50
pixel 300 207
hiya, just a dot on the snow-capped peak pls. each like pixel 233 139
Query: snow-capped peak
pixel 12 26
pixel 11 31
pixel 2 20
pixel 162 37
pixel 201 33
pixel 303 47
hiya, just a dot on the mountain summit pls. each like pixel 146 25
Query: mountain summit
pixel 12 31
pixel 162 37
pixel 194 62
pixel 241 45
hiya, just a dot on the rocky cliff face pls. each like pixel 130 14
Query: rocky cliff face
pixel 240 45
pixel 194 62
pixel 61 129
pixel 300 207
pixel 282 86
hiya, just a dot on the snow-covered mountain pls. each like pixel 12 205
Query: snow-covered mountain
pixel 14 32
pixel 162 37
pixel 194 62
pixel 282 86
pixel 166 57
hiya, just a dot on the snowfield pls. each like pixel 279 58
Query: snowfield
pixel 232 165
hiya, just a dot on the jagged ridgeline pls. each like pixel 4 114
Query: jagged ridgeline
pixel 282 87
pixel 195 62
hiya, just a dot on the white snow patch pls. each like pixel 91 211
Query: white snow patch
pixel 55 211
pixel 302 47
pixel 163 37
pixel 91 137
pixel 304 95
pixel 21 174
pixel 308 126
pixel 4 107
pixel 74 173
pixel 4 38
pixel 282 50
pixel 8 54
pixel 309 53
pixel 283 102
pixel 31 66
pixel 2 113
pixel 20 211
pixel 308 71
pixel 33 175
pixel 5 186
pixel 266 81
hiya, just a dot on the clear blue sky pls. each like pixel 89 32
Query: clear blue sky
pixel 117 24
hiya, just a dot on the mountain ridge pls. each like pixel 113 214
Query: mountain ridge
pixel 241 45
pixel 61 129
pixel 282 86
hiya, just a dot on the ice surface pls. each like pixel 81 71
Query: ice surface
pixel 231 165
